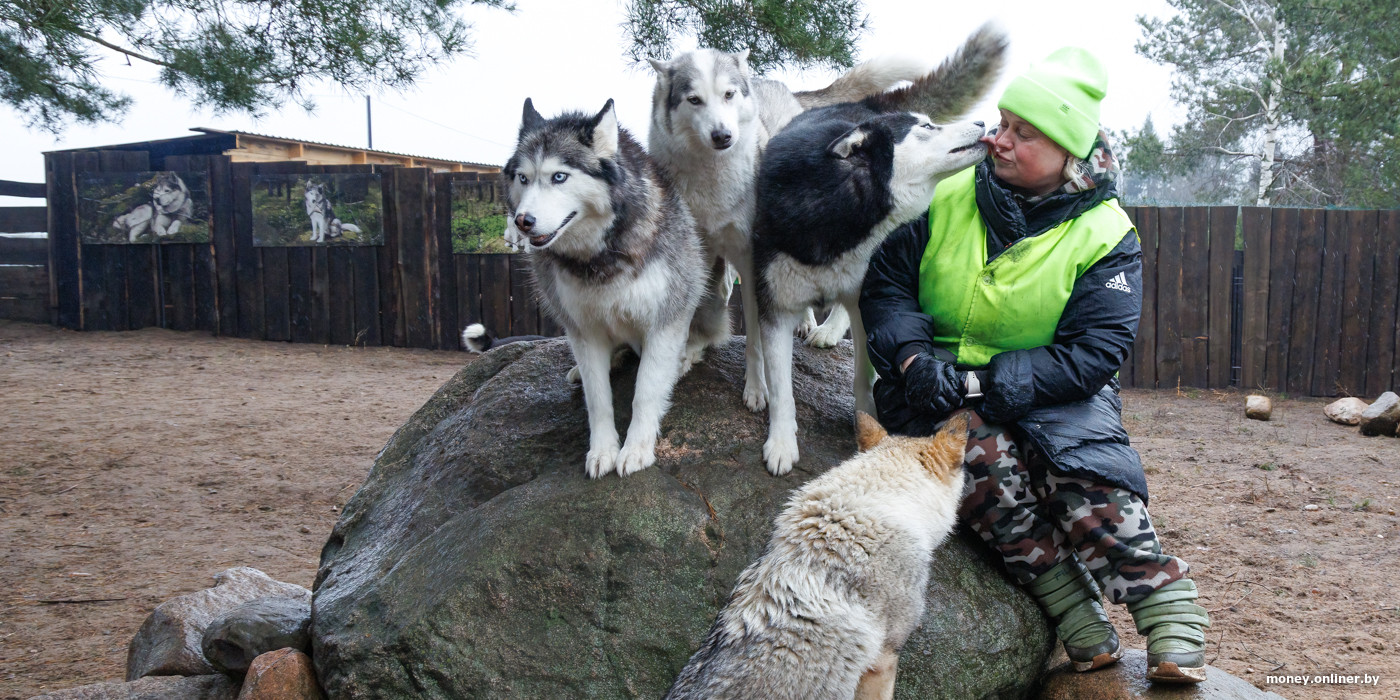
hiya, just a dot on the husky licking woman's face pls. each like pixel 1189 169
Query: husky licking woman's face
pixel 558 193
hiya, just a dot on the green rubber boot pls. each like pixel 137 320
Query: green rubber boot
pixel 1069 596
pixel 1175 629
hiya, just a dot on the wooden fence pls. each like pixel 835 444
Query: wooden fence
pixel 1307 306
pixel 24 274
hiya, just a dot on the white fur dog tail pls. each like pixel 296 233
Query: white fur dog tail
pixel 867 78
pixel 476 339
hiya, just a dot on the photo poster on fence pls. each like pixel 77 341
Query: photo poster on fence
pixel 478 218
pixel 163 206
pixel 317 209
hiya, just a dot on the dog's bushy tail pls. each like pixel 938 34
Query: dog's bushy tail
pixel 955 86
pixel 867 78
pixel 476 339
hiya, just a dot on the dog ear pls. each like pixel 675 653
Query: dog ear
pixel 847 143
pixel 661 67
pixel 531 119
pixel 742 59
pixel 605 131
pixel 869 432
pixel 943 454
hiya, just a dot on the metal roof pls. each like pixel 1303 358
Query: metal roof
pixel 207 130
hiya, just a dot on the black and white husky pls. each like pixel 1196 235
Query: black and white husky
pixel 832 186
pixel 710 120
pixel 617 262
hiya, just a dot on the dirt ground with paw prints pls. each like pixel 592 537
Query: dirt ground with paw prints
pixel 134 466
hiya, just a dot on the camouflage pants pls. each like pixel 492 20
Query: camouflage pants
pixel 1035 518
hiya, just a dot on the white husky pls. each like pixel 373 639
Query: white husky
pixel 710 120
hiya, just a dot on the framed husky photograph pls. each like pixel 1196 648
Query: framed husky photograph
pixel 479 218
pixel 317 209
pixel 126 208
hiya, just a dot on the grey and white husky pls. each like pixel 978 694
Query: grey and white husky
pixel 710 120
pixel 169 207
pixel 616 260
pixel 832 186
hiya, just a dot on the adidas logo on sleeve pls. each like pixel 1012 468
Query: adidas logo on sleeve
pixel 1119 282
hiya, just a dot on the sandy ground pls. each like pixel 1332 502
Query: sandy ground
pixel 136 465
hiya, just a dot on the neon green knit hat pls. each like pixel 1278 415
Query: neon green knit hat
pixel 1060 96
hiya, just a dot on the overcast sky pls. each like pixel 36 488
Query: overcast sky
pixel 568 54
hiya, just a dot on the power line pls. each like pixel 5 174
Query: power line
pixel 444 126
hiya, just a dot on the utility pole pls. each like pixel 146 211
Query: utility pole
pixel 369 124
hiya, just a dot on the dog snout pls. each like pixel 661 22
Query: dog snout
pixel 524 222
pixel 721 138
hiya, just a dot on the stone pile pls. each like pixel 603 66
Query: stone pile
pixel 1380 417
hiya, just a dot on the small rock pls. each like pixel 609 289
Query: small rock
pixel 168 643
pixel 205 687
pixel 284 674
pixel 1382 416
pixel 1312 506
pixel 1286 531
pixel 234 639
pixel 1346 411
pixel 304 530
pixel 1126 680
pixel 1258 407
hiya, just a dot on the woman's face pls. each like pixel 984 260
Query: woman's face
pixel 1026 158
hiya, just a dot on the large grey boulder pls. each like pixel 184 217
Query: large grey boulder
pixel 478 561
pixel 169 641
pixel 1127 680
pixel 234 639
pixel 1382 416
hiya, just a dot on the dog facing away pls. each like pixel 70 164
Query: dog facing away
pixel 710 120
pixel 823 613
pixel 832 186
pixel 617 262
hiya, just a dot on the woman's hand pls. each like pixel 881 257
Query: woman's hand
pixel 932 385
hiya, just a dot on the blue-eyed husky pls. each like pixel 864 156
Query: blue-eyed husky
pixel 831 187
pixel 616 260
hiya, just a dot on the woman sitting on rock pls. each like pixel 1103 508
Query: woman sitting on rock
pixel 1017 296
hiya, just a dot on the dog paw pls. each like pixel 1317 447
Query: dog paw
pixel 573 377
pixel 755 395
pixel 825 337
pixel 636 457
pixel 807 327
pixel 601 460
pixel 780 451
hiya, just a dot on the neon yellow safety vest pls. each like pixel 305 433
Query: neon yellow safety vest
pixel 980 309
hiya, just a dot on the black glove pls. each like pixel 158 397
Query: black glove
pixel 934 386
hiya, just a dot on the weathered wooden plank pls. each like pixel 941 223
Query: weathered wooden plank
pixel 1358 301
pixel 1383 371
pixel 177 285
pixel 276 277
pixel 204 310
pixel 24 219
pixel 524 310
pixel 65 254
pixel 221 222
pixel 24 293
pixel 1255 304
pixel 1306 279
pixel 468 290
pixel 247 259
pixel 445 301
pixel 340 296
pixel 95 304
pixel 24 251
pixel 364 261
pixel 1283 261
pixel 1223 222
pixel 1170 239
pixel 1145 346
pixel 143 300
pixel 299 295
pixel 10 188
pixel 320 295
pixel 495 295
pixel 1327 370
pixel 391 329
pixel 415 243
pixel 1195 297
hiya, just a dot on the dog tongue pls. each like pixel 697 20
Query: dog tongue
pixel 540 239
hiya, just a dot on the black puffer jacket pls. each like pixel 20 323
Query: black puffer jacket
pixel 1060 398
